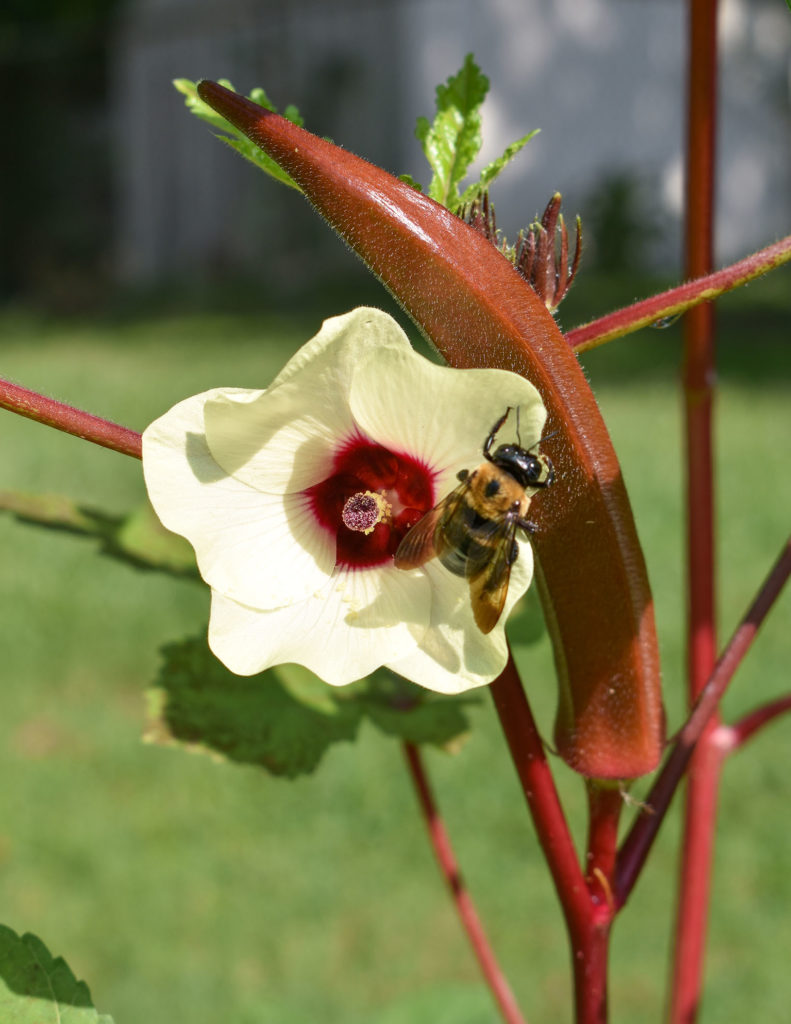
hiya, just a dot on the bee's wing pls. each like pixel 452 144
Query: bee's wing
pixel 418 544
pixel 489 578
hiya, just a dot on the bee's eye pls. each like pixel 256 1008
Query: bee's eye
pixel 534 471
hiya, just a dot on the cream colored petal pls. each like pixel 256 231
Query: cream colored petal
pixel 265 550
pixel 438 414
pixel 347 629
pixel 454 655
pixel 342 339
pixel 282 440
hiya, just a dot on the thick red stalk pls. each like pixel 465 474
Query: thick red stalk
pixel 701 802
pixel 605 803
pixel 591 950
pixel 471 303
pixel 679 299
pixel 73 421
pixel 495 979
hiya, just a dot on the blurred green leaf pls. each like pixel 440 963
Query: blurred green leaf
pixel 285 719
pixel 413 714
pixel 35 988
pixel 232 136
pixel 142 539
pixel 138 538
pixel 282 720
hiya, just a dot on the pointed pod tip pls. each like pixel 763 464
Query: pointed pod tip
pixel 207 89
pixel 237 109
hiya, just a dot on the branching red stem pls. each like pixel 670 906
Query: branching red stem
pixel 675 301
pixel 73 421
pixel 756 720
pixel 641 837
pixel 465 908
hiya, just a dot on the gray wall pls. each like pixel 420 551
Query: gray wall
pixel 603 79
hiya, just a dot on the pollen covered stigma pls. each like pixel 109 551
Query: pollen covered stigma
pixel 364 510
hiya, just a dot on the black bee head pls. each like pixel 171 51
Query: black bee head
pixel 527 469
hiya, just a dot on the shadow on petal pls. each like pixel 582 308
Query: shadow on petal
pixel 196 451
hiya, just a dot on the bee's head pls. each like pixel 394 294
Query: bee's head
pixel 527 469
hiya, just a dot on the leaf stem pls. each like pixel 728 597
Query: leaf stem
pixel 677 300
pixel 73 421
pixel 465 908
pixel 638 843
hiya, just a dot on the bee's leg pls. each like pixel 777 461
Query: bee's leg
pixel 527 525
pixel 493 434
pixel 513 554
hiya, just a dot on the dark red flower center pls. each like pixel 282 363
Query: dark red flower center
pixel 370 500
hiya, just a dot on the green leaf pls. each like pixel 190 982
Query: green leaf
pixel 452 141
pixel 35 988
pixel 413 714
pixel 232 136
pixel 139 539
pixel 283 720
pixel 492 170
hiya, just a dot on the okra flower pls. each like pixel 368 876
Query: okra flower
pixel 296 497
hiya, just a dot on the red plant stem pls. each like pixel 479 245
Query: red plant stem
pixel 73 421
pixel 700 815
pixel 675 301
pixel 588 935
pixel 750 724
pixel 699 347
pixel 638 843
pixel 448 865
pixel 700 809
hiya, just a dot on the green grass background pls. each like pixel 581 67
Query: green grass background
pixel 187 890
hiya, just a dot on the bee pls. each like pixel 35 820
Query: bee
pixel 473 530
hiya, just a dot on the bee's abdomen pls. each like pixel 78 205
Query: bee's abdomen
pixel 466 539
